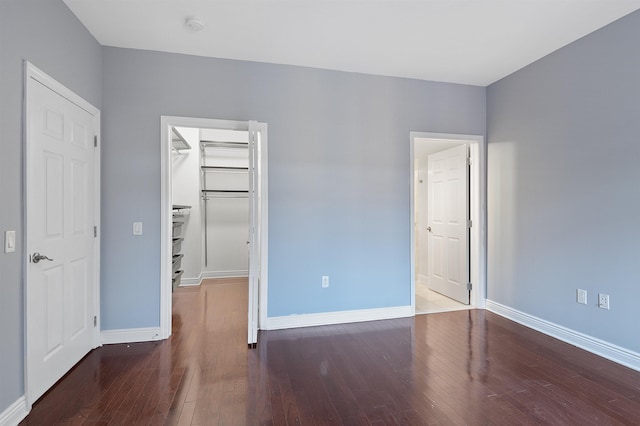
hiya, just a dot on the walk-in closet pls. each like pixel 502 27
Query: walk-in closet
pixel 210 196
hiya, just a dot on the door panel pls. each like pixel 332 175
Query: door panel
pixel 53 203
pixel 79 200
pixel 448 263
pixel 61 200
pixel 54 308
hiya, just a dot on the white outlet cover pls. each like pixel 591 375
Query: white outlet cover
pixel 603 301
pixel 137 228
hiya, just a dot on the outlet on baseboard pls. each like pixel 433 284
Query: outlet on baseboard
pixel 581 296
pixel 325 281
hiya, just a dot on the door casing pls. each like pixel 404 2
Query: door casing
pixel 166 122
pixel 478 203
pixel 32 72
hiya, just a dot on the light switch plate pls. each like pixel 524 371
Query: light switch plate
pixel 137 228
pixel 10 241
pixel 581 296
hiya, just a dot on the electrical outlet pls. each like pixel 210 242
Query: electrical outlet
pixel 581 296
pixel 325 281
pixel 603 301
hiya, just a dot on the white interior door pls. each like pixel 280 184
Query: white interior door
pixel 60 241
pixel 254 232
pixel 448 252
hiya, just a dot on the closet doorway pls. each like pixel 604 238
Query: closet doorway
pixel 214 202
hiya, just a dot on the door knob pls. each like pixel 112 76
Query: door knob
pixel 37 257
pixel 429 228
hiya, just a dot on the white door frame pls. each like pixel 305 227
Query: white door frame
pixel 478 204
pixel 32 72
pixel 166 122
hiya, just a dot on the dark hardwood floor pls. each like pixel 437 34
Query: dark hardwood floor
pixel 464 367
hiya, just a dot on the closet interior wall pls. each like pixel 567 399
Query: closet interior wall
pixel 185 190
pixel 224 183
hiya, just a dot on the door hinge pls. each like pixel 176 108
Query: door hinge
pixel 469 286
pixel 95 320
pixel 468 161
pixel 95 140
pixel 469 223
pixel 95 231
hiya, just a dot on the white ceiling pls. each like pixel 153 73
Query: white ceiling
pixel 460 41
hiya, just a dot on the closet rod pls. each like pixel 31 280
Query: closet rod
pixel 225 191
pixel 223 168
pixel 230 197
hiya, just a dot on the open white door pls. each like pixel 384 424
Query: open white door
pixel 61 243
pixel 448 210
pixel 254 231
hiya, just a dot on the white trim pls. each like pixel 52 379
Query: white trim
pixel 14 413
pixel 591 344
pixel 166 286
pixel 130 335
pixel 264 226
pixel 189 282
pixel 224 274
pixel 339 317
pixel 478 196
pixel 165 209
pixel 36 74
pixel 98 225
pixel 31 71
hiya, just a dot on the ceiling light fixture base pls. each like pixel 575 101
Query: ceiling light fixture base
pixel 194 24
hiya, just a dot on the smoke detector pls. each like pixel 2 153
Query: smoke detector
pixel 194 24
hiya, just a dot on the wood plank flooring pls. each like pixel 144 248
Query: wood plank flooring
pixel 465 367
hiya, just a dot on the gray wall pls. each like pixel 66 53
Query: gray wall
pixel 563 173
pixel 338 173
pixel 47 34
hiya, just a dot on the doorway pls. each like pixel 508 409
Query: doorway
pixel 214 218
pixel 447 222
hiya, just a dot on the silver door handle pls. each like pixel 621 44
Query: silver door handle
pixel 37 257
pixel 429 228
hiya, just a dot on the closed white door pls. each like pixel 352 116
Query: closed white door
pixel 61 245
pixel 448 252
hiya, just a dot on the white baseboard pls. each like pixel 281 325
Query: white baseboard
pixel 340 317
pixel 130 335
pixel 14 413
pixel 188 282
pixel 594 345
pixel 225 274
